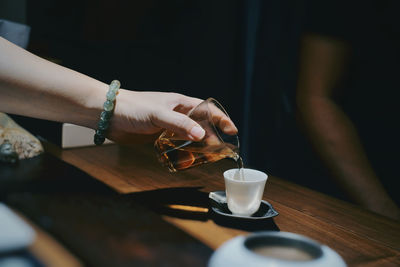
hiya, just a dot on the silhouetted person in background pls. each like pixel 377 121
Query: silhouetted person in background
pixel 346 96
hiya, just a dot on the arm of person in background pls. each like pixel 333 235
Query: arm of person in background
pixel 34 87
pixel 329 129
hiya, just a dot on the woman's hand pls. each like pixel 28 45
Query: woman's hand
pixel 140 116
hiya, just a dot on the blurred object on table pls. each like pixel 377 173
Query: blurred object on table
pixel 15 138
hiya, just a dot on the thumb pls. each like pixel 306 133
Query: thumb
pixel 180 124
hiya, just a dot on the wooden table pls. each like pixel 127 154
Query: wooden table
pixel 362 238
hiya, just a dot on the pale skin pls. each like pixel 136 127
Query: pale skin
pixel 32 86
pixel 331 132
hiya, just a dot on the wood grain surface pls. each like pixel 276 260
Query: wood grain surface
pixel 138 187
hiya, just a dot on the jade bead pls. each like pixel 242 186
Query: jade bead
pixel 105 115
pixel 103 125
pixel 114 91
pixel 111 95
pixel 99 140
pixel 108 105
pixel 114 86
pixel 101 132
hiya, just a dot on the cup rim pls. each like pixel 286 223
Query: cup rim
pixel 262 178
pixel 287 239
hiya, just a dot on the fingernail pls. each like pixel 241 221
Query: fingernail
pixel 197 132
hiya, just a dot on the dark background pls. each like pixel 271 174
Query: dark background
pixel 243 53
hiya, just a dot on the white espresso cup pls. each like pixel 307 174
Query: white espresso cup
pixel 244 194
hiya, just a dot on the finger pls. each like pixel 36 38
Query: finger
pixel 222 120
pixel 186 104
pixel 227 126
pixel 180 124
pixel 218 117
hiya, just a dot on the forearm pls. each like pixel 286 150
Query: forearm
pixel 335 139
pixel 35 87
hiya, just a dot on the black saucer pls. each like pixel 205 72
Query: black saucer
pixel 220 207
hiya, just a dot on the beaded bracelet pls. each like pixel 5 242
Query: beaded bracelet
pixel 105 116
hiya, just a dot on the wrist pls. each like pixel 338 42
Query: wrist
pixel 93 103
